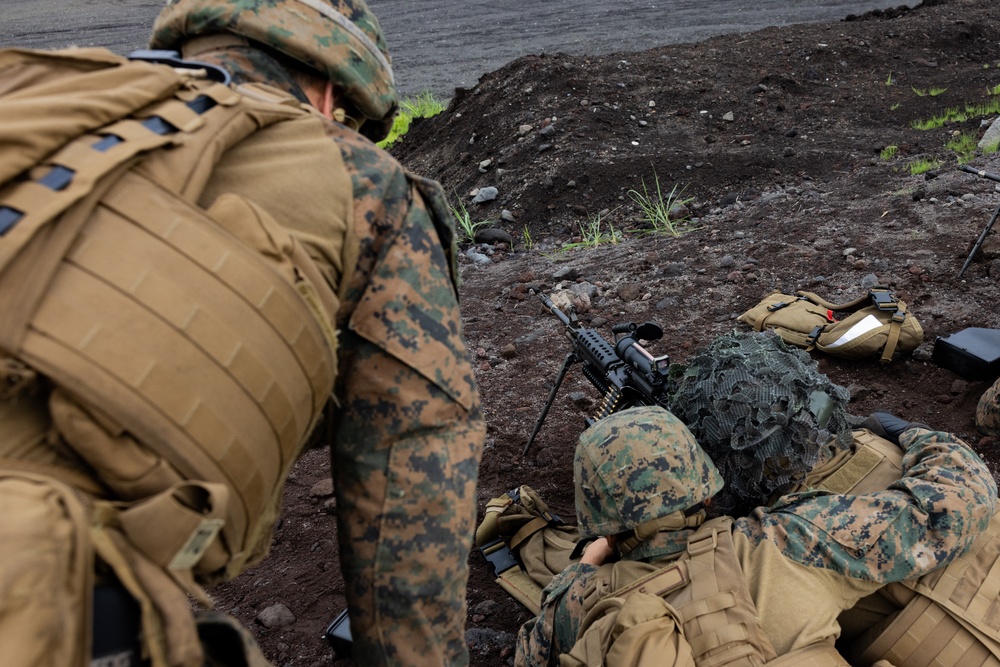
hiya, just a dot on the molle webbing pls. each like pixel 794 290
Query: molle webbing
pixel 814 655
pixel 969 588
pixel 204 334
pixel 720 619
pixel 923 633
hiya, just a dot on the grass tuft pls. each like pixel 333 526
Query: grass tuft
pixel 424 105
pixel 923 165
pixel 665 212
pixel 466 228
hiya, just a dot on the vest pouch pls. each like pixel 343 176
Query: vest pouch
pixel 639 630
pixel 869 332
pixel 922 633
pixel 46 577
pixel 875 325
pixel 797 320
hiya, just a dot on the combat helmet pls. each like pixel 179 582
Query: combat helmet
pixel 339 38
pixel 639 469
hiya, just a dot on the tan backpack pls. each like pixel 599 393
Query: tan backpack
pixel 875 325
pixel 191 351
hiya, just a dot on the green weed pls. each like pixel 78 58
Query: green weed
pixel 923 165
pixel 894 106
pixel 959 115
pixel 965 145
pixel 466 227
pixel 991 148
pixel 661 211
pixel 529 242
pixel 888 80
pixel 593 234
pixel 919 92
pixel 995 90
pixel 934 92
pixel 888 152
pixel 423 105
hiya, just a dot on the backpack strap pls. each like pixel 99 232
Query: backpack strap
pixel 719 616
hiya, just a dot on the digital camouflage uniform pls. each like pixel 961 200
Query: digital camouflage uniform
pixel 988 410
pixel 408 435
pixel 812 554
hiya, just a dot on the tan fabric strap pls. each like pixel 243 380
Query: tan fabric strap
pixel 195 46
pixel 527 530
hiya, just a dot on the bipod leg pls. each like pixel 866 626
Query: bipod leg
pixel 570 358
pixel 979 242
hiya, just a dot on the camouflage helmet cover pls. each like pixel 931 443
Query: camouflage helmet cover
pixel 340 38
pixel 638 465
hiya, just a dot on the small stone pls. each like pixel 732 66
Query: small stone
pixel 728 116
pixel 486 194
pixel 322 488
pixel 629 292
pixel 276 616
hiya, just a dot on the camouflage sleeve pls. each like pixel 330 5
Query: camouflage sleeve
pixel 543 639
pixel 409 431
pixel 944 499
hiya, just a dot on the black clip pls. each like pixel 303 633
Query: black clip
pixel 499 555
pixel 814 336
pixel 882 299
pixel 777 306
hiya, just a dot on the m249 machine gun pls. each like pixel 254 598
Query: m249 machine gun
pixel 625 374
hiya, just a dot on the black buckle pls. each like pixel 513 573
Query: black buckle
pixel 882 299
pixel 501 558
pixel 814 336
pixel 777 306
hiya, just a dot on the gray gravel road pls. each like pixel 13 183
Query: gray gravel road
pixel 438 45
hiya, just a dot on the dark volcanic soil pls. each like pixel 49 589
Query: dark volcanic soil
pixel 776 136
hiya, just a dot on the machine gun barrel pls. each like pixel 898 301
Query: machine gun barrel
pixel 624 373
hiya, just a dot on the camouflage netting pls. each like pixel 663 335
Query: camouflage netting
pixel 762 411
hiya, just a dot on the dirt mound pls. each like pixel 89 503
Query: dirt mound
pixel 783 141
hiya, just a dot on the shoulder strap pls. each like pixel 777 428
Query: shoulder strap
pixel 719 616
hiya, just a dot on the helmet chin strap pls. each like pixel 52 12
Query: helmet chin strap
pixel 673 521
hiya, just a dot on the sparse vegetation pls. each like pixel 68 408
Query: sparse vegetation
pixel 965 145
pixel 466 228
pixel 934 92
pixel 529 242
pixel 889 152
pixel 593 233
pixel 424 105
pixel 923 165
pixel 667 213
pixel 959 115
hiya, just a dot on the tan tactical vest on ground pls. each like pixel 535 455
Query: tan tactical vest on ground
pixel 188 352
